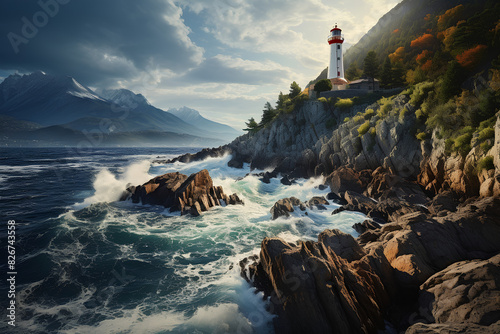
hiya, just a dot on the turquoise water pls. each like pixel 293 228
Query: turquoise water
pixel 89 264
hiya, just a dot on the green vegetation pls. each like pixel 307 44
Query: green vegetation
pixel 323 85
pixel 323 99
pixel 364 128
pixel 485 163
pixel 344 103
pixel 421 136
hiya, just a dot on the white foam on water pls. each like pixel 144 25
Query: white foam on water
pixel 207 249
pixel 108 187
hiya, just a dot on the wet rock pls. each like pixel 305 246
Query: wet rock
pixel 336 198
pixel 317 202
pixel 316 291
pixel 366 225
pixel 284 206
pixel 178 192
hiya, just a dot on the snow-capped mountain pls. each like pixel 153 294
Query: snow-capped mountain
pixel 124 97
pixel 50 100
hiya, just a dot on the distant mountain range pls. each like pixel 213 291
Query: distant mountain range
pixel 39 109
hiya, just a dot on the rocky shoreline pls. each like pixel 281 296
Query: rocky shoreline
pixel 427 257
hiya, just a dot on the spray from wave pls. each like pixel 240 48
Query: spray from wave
pixel 108 187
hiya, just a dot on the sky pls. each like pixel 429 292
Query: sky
pixel 224 58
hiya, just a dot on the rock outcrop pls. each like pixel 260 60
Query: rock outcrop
pixel 193 194
pixel 316 291
pixel 318 286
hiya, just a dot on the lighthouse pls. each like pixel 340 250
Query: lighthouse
pixel 336 67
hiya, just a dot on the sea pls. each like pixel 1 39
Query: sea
pixel 88 263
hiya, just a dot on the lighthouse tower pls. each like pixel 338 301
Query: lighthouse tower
pixel 336 67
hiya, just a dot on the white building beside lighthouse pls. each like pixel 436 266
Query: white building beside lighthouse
pixel 336 66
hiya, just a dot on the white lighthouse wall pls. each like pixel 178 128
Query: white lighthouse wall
pixel 335 64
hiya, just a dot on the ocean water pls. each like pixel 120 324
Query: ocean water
pixel 88 264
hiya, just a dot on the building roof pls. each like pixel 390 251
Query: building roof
pixel 361 81
pixel 338 81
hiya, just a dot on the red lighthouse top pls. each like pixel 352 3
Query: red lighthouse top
pixel 335 36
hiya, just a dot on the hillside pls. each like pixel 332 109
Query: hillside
pixel 423 165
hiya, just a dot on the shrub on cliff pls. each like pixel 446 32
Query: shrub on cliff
pixel 323 85
pixel 363 128
pixel 485 163
pixel 344 103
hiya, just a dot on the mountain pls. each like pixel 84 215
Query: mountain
pixel 193 117
pixel 62 102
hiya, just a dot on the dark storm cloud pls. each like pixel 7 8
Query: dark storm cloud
pixel 95 41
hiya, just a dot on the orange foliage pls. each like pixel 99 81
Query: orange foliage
pixel 470 57
pixel 449 14
pixel 423 55
pixel 429 30
pixel 395 31
pixel 423 42
pixel 427 65
pixel 397 55
pixel 427 17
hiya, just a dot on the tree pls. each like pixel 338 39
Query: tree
pixel 252 126
pixel 353 72
pixel 386 77
pixel 323 85
pixel 370 66
pixel 294 90
pixel 452 81
pixel 281 103
pixel 268 114
pixel 398 75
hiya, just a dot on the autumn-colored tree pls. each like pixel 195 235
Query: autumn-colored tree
pixel 451 15
pixel 423 56
pixel 395 31
pixel 472 56
pixel 397 55
pixel 427 17
pixel 427 65
pixel 425 41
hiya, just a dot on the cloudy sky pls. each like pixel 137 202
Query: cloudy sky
pixel 225 58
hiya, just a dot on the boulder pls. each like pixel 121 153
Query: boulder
pixel 318 202
pixel 284 206
pixel 178 192
pixel 343 244
pixel 465 292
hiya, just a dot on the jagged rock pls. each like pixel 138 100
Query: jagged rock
pixel 343 244
pixel 336 198
pixel 464 292
pixel 193 194
pixel 343 179
pixel 448 328
pixel 417 247
pixel 284 206
pixel 316 291
pixel 286 181
pixel 366 225
pixel 318 202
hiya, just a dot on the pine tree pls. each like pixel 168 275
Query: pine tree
pixel 398 75
pixel 252 126
pixel 370 66
pixel 294 90
pixel 353 72
pixel 386 77
pixel 452 81
pixel 268 114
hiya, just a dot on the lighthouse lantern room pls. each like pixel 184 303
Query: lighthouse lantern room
pixel 336 67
